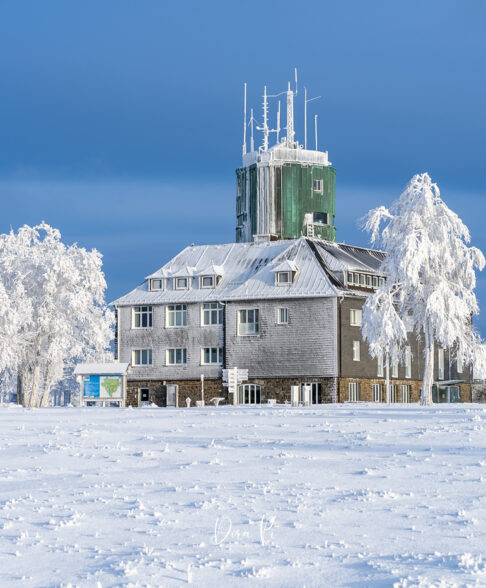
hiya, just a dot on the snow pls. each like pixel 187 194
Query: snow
pixel 334 495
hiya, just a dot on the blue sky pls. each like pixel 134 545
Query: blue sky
pixel 120 121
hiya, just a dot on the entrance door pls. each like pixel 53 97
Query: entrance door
pixel 172 390
pixel 316 388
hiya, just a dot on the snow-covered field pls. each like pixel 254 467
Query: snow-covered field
pixel 351 495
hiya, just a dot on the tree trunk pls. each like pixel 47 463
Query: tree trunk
pixel 387 379
pixel 426 395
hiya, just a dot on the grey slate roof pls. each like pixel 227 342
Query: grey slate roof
pixel 247 271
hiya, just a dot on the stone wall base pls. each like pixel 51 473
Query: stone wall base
pixel 331 390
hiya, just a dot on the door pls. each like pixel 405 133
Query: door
pixel 172 390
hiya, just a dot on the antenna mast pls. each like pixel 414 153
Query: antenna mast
pixel 315 128
pixel 265 120
pixel 244 122
pixel 278 122
pixel 252 143
pixel 305 115
pixel 290 117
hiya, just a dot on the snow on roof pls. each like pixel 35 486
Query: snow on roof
pixel 247 271
pixel 286 266
pixel 86 369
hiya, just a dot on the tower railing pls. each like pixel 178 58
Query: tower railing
pixel 286 154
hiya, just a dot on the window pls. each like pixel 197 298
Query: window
pixel 321 218
pixel 408 362
pixel 376 392
pixel 353 391
pixel 393 393
pixel 317 185
pixel 176 356
pixel 181 283
pixel 405 392
pixel 459 364
pixel 355 318
pixel 282 316
pixel 284 278
pixel 212 355
pixel 144 394
pixel 207 282
pixel 350 277
pixel 375 282
pixel 379 370
pixel 212 313
pixel 156 284
pixel 250 394
pixel 177 315
pixel 248 322
pixel 395 370
pixel 142 357
pixel 356 351
pixel 142 317
pixel 441 365
pixel 356 279
pixel 381 281
pixel 368 281
pixel 362 279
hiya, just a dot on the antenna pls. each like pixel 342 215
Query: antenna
pixel 315 128
pixel 295 77
pixel 244 122
pixel 252 143
pixel 264 128
pixel 305 114
pixel 290 117
pixel 278 122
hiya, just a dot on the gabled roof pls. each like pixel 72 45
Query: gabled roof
pixel 247 271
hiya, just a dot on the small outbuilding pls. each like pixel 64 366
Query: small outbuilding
pixel 102 384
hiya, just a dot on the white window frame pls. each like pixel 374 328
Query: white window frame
pixel 317 186
pixel 244 330
pixel 350 278
pixel 376 392
pixel 153 288
pixel 178 286
pixel 408 362
pixel 356 317
pixel 393 393
pixel 394 370
pixel 207 355
pixel 207 311
pixel 356 351
pixel 440 364
pixel 282 316
pixel 375 282
pixel 174 310
pixel 174 351
pixel 405 393
pixel 211 285
pixel 278 280
pixel 353 391
pixel 141 352
pixel 318 222
pixel 141 313
pixel 379 366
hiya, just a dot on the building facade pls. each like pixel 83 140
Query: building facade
pixel 287 311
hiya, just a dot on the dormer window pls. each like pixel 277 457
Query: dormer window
pixel 156 284
pixel 181 283
pixel 207 282
pixel 284 278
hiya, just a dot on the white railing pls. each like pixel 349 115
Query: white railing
pixel 289 155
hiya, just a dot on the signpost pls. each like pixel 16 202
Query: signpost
pixel 232 378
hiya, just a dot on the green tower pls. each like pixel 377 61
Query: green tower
pixel 286 190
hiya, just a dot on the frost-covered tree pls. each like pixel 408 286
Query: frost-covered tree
pixel 430 278
pixel 52 309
